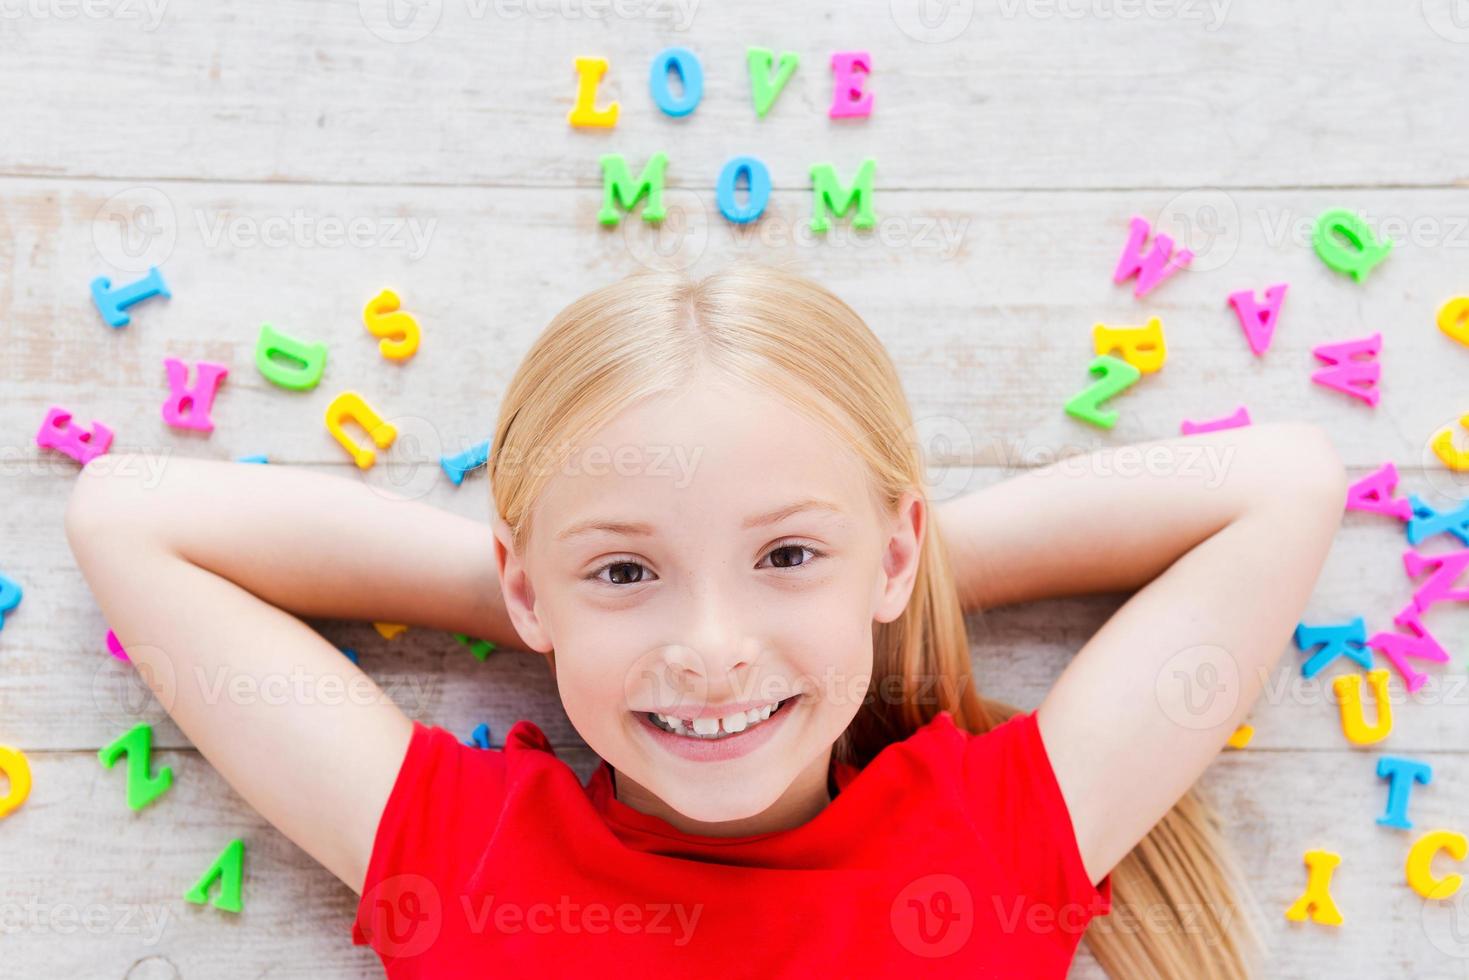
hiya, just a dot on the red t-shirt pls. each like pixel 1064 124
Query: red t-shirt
pixel 948 854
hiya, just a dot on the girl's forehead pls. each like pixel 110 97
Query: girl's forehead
pixel 703 459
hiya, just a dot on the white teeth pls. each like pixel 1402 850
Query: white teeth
pixel 731 724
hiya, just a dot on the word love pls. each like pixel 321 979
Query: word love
pixel 768 79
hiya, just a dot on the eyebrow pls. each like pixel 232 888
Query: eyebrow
pixel 640 529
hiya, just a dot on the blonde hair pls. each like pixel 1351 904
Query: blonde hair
pixel 652 332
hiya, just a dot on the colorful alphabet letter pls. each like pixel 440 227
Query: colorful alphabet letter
pixel 1374 493
pixel 1154 267
pixel 619 190
pixel 757 179
pixel 112 300
pixel 1256 319
pixel 1142 347
pixel 398 331
pixel 1316 900
pixel 1113 375
pixel 1346 244
pixel 765 87
pixel 685 64
pixel 1238 420
pixel 17 769
pixel 455 467
pixel 301 364
pixel 850 70
pixel 229 869
pixel 137 745
pixel 1354 368
pixel 1443 447
pixel 1401 775
pixel 349 405
pixel 188 408
pixel 1348 690
pixel 57 432
pixel 10 596
pixel 1453 319
pixel 584 112
pixel 1419 868
pixel 1419 645
pixel 829 195
pixel 1345 639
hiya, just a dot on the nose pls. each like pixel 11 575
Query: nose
pixel 715 647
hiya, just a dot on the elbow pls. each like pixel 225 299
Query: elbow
pixel 1326 472
pixel 1310 470
pixel 102 498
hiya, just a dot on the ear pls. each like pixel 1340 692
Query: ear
pixel 900 555
pixel 515 587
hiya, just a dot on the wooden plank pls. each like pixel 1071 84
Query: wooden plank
pixel 991 334
pixel 998 94
pixel 94 890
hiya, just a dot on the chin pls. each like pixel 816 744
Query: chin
pixel 736 803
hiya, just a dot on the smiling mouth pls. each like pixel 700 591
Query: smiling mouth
pixel 716 729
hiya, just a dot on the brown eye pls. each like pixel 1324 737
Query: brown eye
pixel 790 556
pixel 624 573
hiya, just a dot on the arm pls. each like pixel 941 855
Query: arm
pixel 199 575
pixel 1223 556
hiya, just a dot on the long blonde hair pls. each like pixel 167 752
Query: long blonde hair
pixel 649 333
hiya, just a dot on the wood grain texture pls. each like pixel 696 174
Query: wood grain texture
pixel 1025 93
pixel 283 162
pixel 991 334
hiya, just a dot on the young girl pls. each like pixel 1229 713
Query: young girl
pixel 711 519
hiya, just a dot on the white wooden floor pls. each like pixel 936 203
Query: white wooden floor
pixel 281 162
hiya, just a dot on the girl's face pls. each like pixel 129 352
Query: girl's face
pixel 705 573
